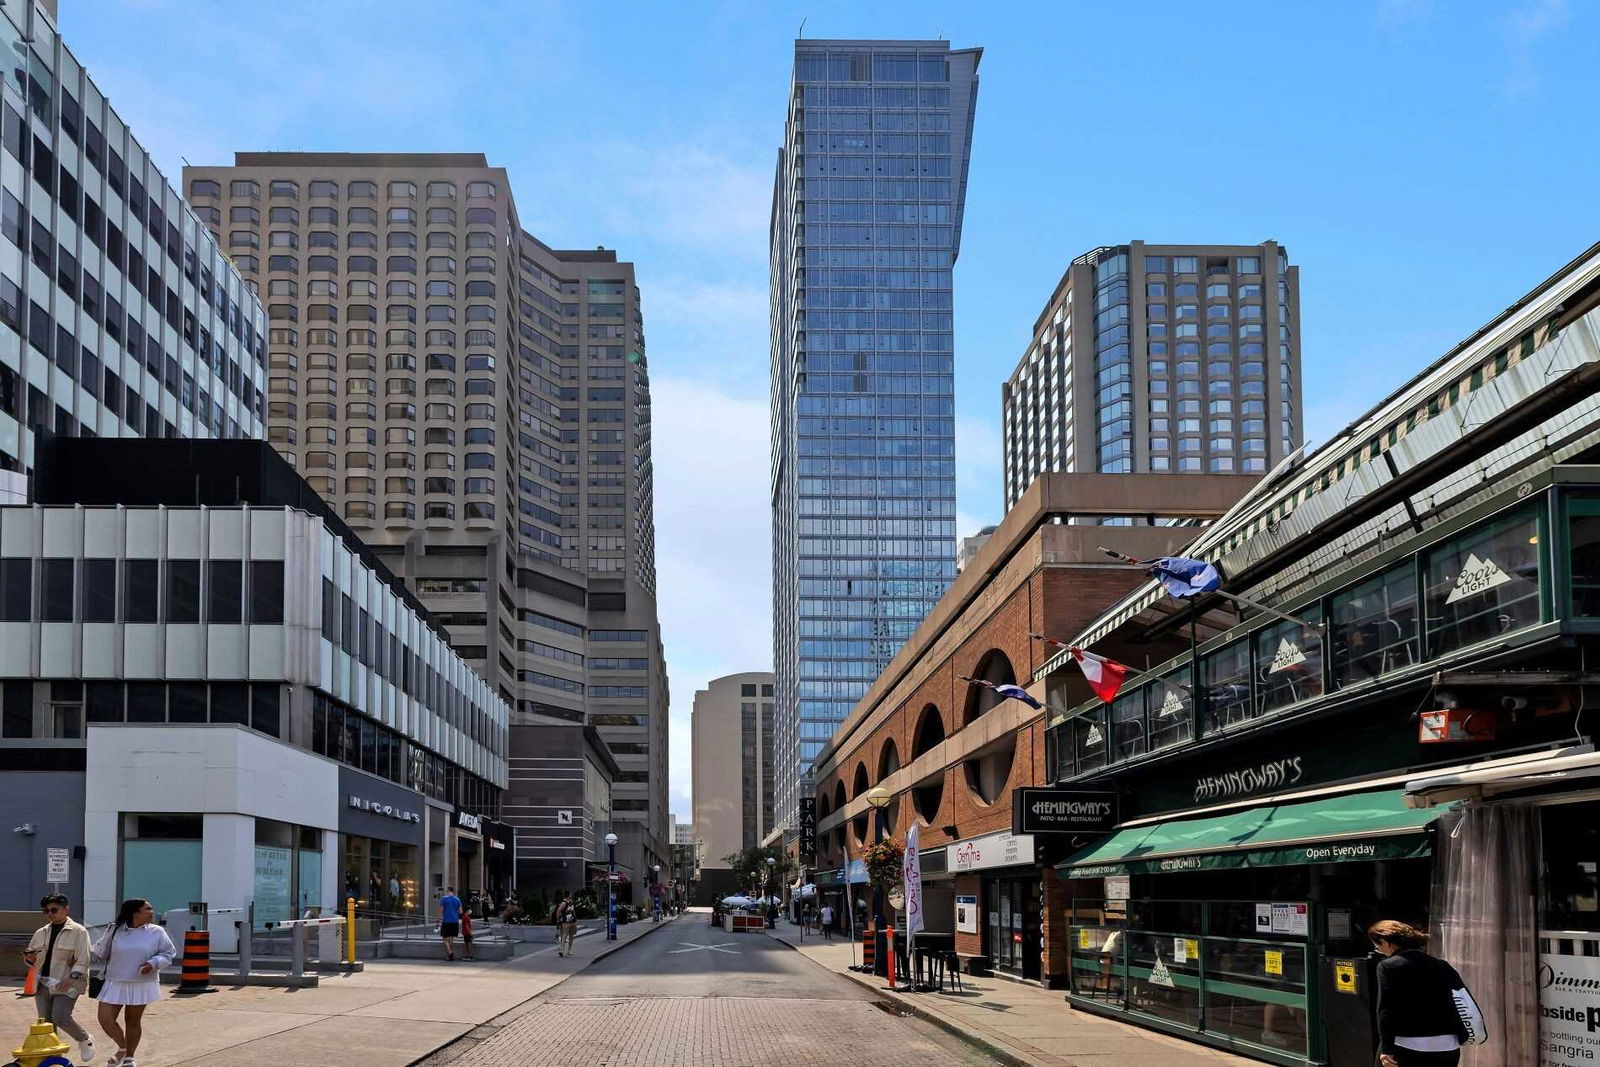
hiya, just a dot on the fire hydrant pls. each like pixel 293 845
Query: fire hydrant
pixel 41 1045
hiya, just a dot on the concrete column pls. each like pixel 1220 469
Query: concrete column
pixel 228 860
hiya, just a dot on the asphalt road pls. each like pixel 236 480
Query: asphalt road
pixel 694 994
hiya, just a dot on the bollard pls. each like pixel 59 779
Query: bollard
pixel 196 963
pixel 246 944
pixel 297 951
pixel 889 951
pixel 350 930
pixel 869 950
pixel 41 1044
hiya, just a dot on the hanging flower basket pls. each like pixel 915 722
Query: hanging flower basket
pixel 883 862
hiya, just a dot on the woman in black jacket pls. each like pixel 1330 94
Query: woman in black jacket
pixel 1417 1021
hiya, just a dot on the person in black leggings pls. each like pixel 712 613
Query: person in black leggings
pixel 1417 1021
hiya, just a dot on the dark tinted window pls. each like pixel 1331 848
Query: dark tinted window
pixel 55 596
pixel 99 590
pixel 140 586
pixel 103 701
pixel 16 715
pixel 230 702
pixel 186 702
pixel 264 708
pixel 224 590
pixel 266 591
pixel 147 702
pixel 183 590
pixel 16 589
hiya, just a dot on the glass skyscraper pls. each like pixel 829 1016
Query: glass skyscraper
pixel 866 224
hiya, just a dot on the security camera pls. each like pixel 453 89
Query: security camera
pixel 27 829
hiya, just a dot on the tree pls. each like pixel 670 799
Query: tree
pixel 750 867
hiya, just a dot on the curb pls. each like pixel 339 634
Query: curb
pixel 486 1029
pixel 901 1003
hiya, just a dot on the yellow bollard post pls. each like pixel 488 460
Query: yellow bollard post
pixel 42 1043
pixel 350 929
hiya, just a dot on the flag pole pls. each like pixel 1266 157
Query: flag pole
pixel 1133 674
pixel 1123 557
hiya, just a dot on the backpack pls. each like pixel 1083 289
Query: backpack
pixel 564 911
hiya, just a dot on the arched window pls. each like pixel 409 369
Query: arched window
pixel 888 760
pixel 993 667
pixel 929 733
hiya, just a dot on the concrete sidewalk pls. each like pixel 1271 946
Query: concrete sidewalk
pixel 1017 1022
pixel 391 1014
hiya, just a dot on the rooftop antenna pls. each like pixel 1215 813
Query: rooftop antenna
pixel 802 31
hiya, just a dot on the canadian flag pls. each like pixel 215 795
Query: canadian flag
pixel 1105 676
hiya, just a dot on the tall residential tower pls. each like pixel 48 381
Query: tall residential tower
pixel 866 224
pixel 1155 358
pixel 476 405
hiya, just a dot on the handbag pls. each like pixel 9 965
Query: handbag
pixel 1477 1031
pixel 97 982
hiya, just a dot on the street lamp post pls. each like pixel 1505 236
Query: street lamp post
pixel 772 909
pixel 878 798
pixel 655 894
pixel 611 890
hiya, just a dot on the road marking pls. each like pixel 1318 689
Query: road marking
pixel 712 948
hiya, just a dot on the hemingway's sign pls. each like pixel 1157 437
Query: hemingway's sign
pixel 1249 780
pixel 1037 810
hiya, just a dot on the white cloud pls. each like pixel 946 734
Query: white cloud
pixel 1525 28
pixel 713 546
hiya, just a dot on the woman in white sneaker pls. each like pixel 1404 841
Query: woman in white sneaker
pixel 132 952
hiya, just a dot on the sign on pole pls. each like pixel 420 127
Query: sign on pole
pixel 808 831
pixel 912 872
pixel 57 865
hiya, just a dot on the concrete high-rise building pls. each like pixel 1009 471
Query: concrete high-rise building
pixel 1154 358
pixel 119 315
pixel 476 405
pixel 866 224
pixel 971 546
pixel 682 832
pixel 731 730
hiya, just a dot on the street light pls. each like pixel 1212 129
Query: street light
pixel 878 798
pixel 611 890
pixel 655 894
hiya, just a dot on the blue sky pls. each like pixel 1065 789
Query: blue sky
pixel 1424 162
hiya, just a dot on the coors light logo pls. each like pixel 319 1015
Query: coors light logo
pixel 1241 783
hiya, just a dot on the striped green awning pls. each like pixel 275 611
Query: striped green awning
pixel 1339 829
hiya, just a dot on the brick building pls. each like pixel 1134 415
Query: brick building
pixel 950 752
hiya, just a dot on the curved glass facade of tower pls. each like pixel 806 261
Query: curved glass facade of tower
pixel 866 225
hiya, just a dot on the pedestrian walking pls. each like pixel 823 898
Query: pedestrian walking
pixel 59 950
pixel 466 932
pixel 132 953
pixel 1419 1021
pixel 394 893
pixel 375 892
pixel 449 921
pixel 827 922
pixel 566 925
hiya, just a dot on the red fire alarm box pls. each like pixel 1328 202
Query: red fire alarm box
pixel 1455 724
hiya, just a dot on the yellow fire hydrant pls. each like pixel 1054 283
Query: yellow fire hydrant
pixel 41 1044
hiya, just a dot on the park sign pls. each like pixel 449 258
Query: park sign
pixel 808 831
pixel 1040 810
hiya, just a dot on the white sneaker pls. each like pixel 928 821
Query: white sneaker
pixel 116 1058
pixel 86 1050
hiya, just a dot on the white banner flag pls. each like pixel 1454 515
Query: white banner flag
pixel 912 872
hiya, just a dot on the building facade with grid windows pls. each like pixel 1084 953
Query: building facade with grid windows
pixel 476 405
pixel 1154 358
pixel 119 314
pixel 866 225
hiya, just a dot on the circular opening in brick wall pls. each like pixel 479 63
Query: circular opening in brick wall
pixel 838 796
pixel 888 760
pixel 861 783
pixel 930 731
pixel 994 667
pixel 858 827
pixel 988 769
pixel 927 797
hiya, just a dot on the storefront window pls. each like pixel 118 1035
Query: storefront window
pixel 1127 723
pixel 274 896
pixel 1570 887
pixel 1089 742
pixel 1373 627
pixel 1289 662
pixel 1171 710
pixel 161 860
pixel 1226 677
pixel 383 876
pixel 1483 584
pixel 1584 534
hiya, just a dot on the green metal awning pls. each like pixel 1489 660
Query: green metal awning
pixel 1338 829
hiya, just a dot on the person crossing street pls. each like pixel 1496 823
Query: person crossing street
pixel 60 951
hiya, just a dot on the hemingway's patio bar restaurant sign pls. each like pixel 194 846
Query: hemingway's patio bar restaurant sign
pixel 1063 811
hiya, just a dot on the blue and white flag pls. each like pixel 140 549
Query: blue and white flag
pixel 1185 578
pixel 1016 692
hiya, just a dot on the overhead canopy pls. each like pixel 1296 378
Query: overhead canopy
pixel 1336 829
pixel 1562 767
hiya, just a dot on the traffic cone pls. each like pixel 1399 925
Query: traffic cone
pixel 196 963
pixel 30 985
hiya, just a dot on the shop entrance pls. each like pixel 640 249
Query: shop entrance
pixel 1011 928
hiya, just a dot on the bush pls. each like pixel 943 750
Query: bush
pixel 587 906
pixel 534 907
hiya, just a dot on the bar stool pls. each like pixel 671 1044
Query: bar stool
pixel 952 963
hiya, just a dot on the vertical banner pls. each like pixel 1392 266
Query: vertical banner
pixel 808 831
pixel 912 872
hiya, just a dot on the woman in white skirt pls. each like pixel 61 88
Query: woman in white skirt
pixel 132 953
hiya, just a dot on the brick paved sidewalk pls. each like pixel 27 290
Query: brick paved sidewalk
pixel 390 1014
pixel 1023 1022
